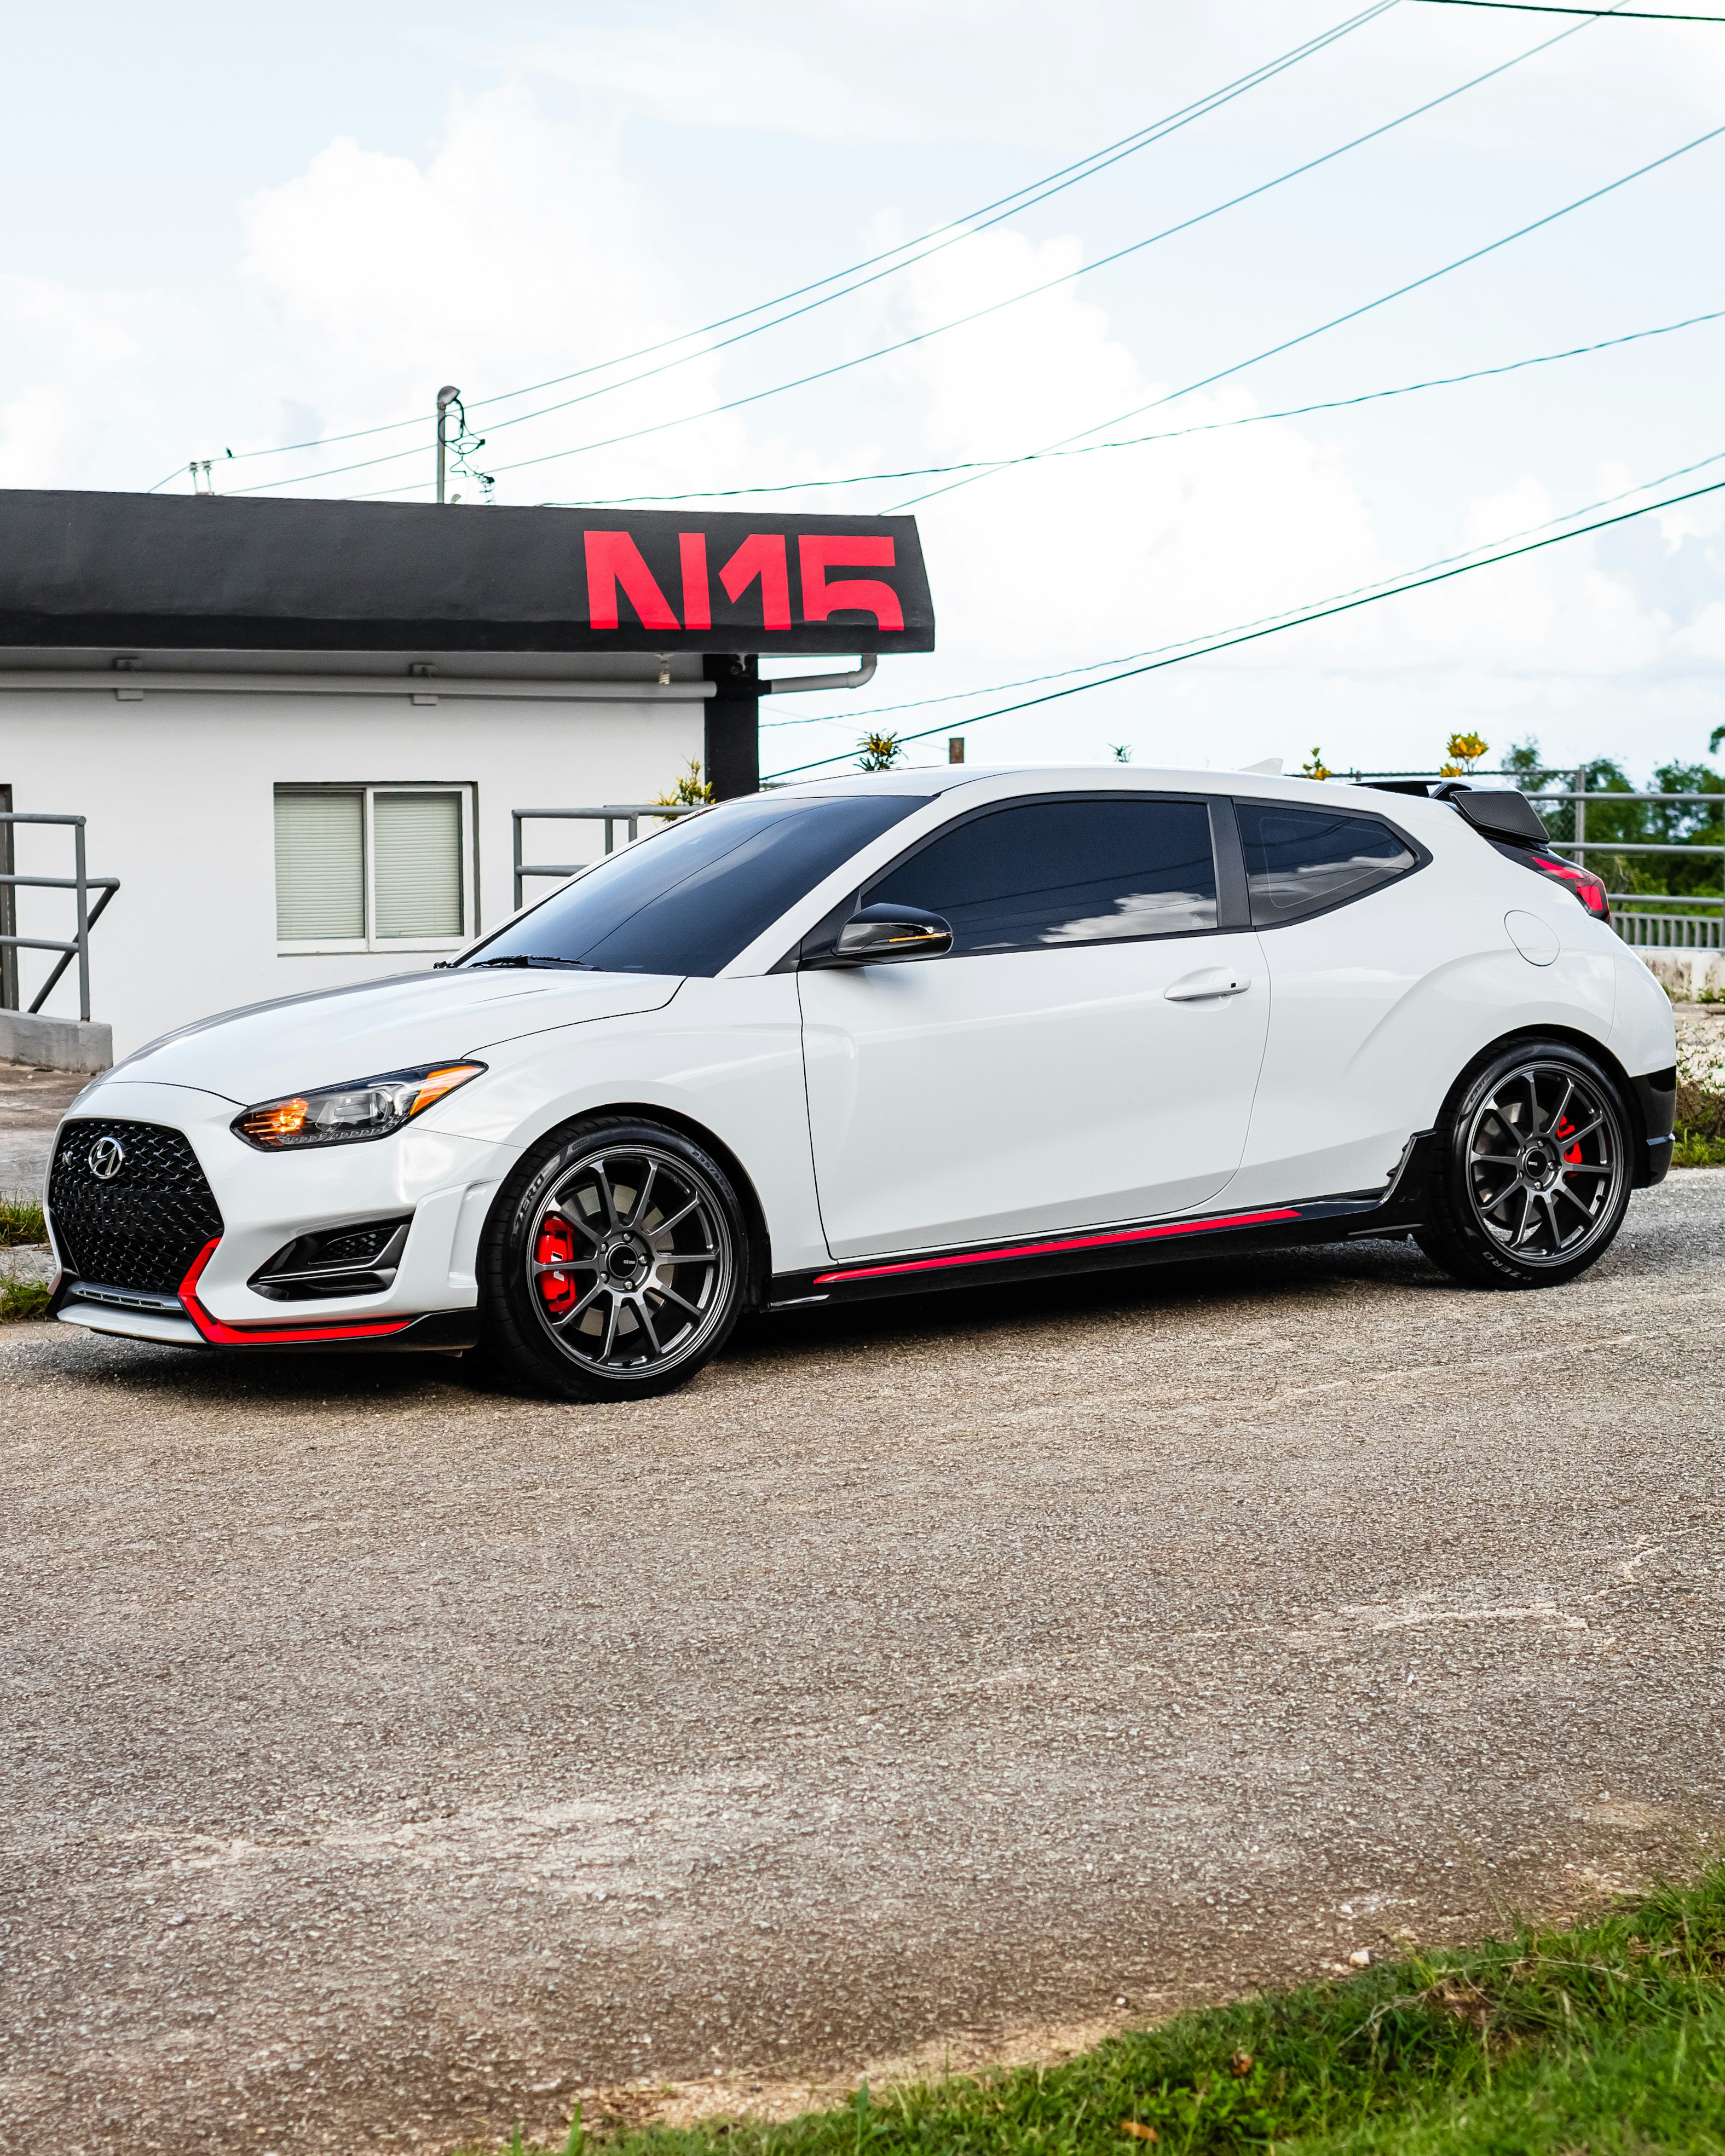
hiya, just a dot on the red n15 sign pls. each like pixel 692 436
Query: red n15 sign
pixel 615 565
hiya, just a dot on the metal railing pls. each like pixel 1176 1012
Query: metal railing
pixel 1666 931
pixel 81 883
pixel 630 813
pixel 1641 918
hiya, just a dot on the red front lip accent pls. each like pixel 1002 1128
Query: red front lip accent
pixel 263 1336
pixel 1068 1243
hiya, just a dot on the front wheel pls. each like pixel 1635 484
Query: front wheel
pixel 613 1262
pixel 1532 1175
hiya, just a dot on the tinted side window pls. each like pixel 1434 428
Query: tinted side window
pixel 1054 873
pixel 1301 859
pixel 689 898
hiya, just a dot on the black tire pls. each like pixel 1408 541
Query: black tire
pixel 614 1263
pixel 1532 1175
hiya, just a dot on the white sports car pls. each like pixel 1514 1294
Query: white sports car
pixel 882 1035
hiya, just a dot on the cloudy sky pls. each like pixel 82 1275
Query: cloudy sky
pixel 239 229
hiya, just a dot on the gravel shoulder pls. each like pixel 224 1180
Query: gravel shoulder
pixel 388 1762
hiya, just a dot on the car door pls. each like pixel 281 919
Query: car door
pixel 1086 1053
pixel 1347 931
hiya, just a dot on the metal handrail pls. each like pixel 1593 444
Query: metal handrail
pixel 614 813
pixel 81 881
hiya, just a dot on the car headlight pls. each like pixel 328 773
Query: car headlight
pixel 348 1115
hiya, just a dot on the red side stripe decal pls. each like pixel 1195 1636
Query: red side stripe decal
pixel 265 1335
pixel 1069 1243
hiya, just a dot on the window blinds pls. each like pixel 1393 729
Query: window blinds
pixel 319 867
pixel 417 871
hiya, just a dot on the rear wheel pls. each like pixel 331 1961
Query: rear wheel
pixel 1533 1176
pixel 613 1262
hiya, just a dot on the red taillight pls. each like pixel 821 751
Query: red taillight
pixel 1583 882
pixel 555 1246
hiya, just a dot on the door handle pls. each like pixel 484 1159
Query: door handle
pixel 1214 981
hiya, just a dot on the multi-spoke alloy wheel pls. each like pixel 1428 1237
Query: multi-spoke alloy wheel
pixel 629 1260
pixel 1545 1158
pixel 616 1271
pixel 1535 1172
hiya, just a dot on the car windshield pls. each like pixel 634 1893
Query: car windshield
pixel 690 898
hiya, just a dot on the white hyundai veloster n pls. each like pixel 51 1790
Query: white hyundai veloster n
pixel 883 1034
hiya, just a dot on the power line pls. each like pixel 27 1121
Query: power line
pixel 1377 584
pixel 1138 441
pixel 1535 7
pixel 1249 633
pixel 912 251
pixel 1336 321
pixel 922 336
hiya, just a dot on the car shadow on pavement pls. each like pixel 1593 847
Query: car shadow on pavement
pixel 1255 1284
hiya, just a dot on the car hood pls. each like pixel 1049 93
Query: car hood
pixel 336 1034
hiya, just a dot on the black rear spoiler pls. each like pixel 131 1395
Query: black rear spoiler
pixel 1498 812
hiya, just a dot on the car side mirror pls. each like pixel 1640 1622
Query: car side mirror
pixel 878 935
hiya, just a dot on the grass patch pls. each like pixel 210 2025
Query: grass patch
pixel 1608 2037
pixel 20 1220
pixel 1695 1149
pixel 22 1299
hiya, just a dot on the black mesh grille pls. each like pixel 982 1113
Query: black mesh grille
pixel 142 1227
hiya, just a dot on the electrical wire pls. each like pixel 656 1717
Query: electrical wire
pixel 922 336
pixel 934 242
pixel 1248 633
pixel 755 397
pixel 1535 7
pixel 1138 441
pixel 1377 584
pixel 1336 321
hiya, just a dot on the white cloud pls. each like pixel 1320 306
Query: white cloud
pixel 88 376
pixel 533 236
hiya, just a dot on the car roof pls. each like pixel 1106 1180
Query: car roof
pixel 1434 822
pixel 1040 777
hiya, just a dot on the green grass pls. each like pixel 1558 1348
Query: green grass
pixel 1697 1149
pixel 23 1299
pixel 21 1222
pixel 1608 2039
pixel 20 1219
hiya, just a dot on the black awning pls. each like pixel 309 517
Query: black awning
pixel 210 572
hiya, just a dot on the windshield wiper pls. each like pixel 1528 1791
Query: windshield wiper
pixel 535 959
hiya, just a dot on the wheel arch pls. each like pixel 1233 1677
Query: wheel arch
pixel 760 1266
pixel 1590 1045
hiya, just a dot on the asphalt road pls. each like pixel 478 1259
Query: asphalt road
pixel 386 1762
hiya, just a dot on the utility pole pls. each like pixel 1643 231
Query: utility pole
pixel 446 397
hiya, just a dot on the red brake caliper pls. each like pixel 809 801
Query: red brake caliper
pixel 554 1245
pixel 1564 1130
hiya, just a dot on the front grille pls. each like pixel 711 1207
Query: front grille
pixel 141 1228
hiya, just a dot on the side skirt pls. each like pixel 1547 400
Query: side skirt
pixel 1357 1216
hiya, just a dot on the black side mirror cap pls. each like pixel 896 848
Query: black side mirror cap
pixel 878 935
pixel 1499 813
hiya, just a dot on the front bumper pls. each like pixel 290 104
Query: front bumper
pixel 444 1183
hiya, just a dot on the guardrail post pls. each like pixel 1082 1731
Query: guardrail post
pixel 515 817
pixel 9 911
pixel 81 872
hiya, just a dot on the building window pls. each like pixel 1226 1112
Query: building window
pixel 374 868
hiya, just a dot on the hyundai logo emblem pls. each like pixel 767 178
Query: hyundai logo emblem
pixel 107 1157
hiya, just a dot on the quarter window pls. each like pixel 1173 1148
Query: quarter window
pixel 373 868
pixel 1050 875
pixel 1301 860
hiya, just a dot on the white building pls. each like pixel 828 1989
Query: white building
pixel 294 793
